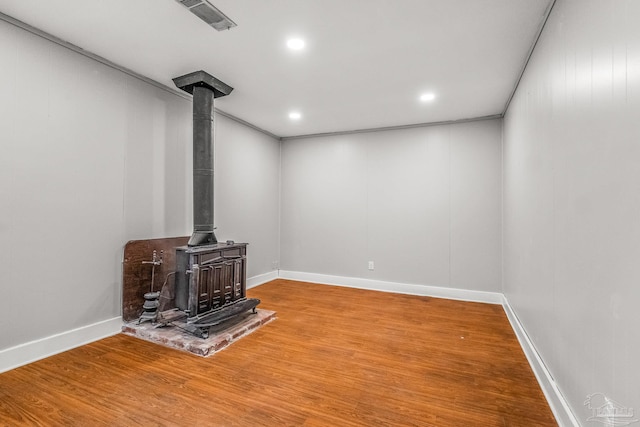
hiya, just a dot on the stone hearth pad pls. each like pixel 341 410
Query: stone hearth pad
pixel 220 336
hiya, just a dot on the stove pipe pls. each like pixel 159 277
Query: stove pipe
pixel 204 89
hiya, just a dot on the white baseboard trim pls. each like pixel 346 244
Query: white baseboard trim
pixel 399 288
pixel 557 402
pixel 26 353
pixel 260 279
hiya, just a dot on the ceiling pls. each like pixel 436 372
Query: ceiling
pixel 364 66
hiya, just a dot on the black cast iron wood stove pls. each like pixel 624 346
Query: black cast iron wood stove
pixel 210 276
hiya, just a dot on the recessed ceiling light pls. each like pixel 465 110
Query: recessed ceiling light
pixel 295 44
pixel 426 97
pixel 295 115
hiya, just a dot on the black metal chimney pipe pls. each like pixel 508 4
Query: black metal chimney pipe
pixel 204 88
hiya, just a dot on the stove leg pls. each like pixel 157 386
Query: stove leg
pixel 198 332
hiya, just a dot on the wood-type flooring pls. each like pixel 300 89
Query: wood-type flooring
pixel 334 357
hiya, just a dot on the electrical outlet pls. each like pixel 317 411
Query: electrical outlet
pixel 274 265
pixel 370 265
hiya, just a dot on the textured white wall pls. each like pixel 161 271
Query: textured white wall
pixel 247 188
pixel 63 128
pixel 158 159
pixel 91 158
pixel 422 203
pixel 572 200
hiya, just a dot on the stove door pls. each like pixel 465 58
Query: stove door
pixel 209 287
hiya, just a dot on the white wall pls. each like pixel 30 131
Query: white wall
pixel 91 158
pixel 422 203
pixel 63 128
pixel 572 200
pixel 247 189
pixel 157 160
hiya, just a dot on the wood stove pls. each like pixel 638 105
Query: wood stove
pixel 210 276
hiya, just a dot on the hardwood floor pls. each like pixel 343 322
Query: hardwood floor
pixel 334 357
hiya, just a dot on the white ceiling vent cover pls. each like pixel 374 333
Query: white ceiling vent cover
pixel 208 13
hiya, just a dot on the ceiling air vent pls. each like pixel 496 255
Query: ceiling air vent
pixel 208 13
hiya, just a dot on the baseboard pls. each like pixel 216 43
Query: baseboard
pixel 26 353
pixel 557 402
pixel 400 288
pixel 260 279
